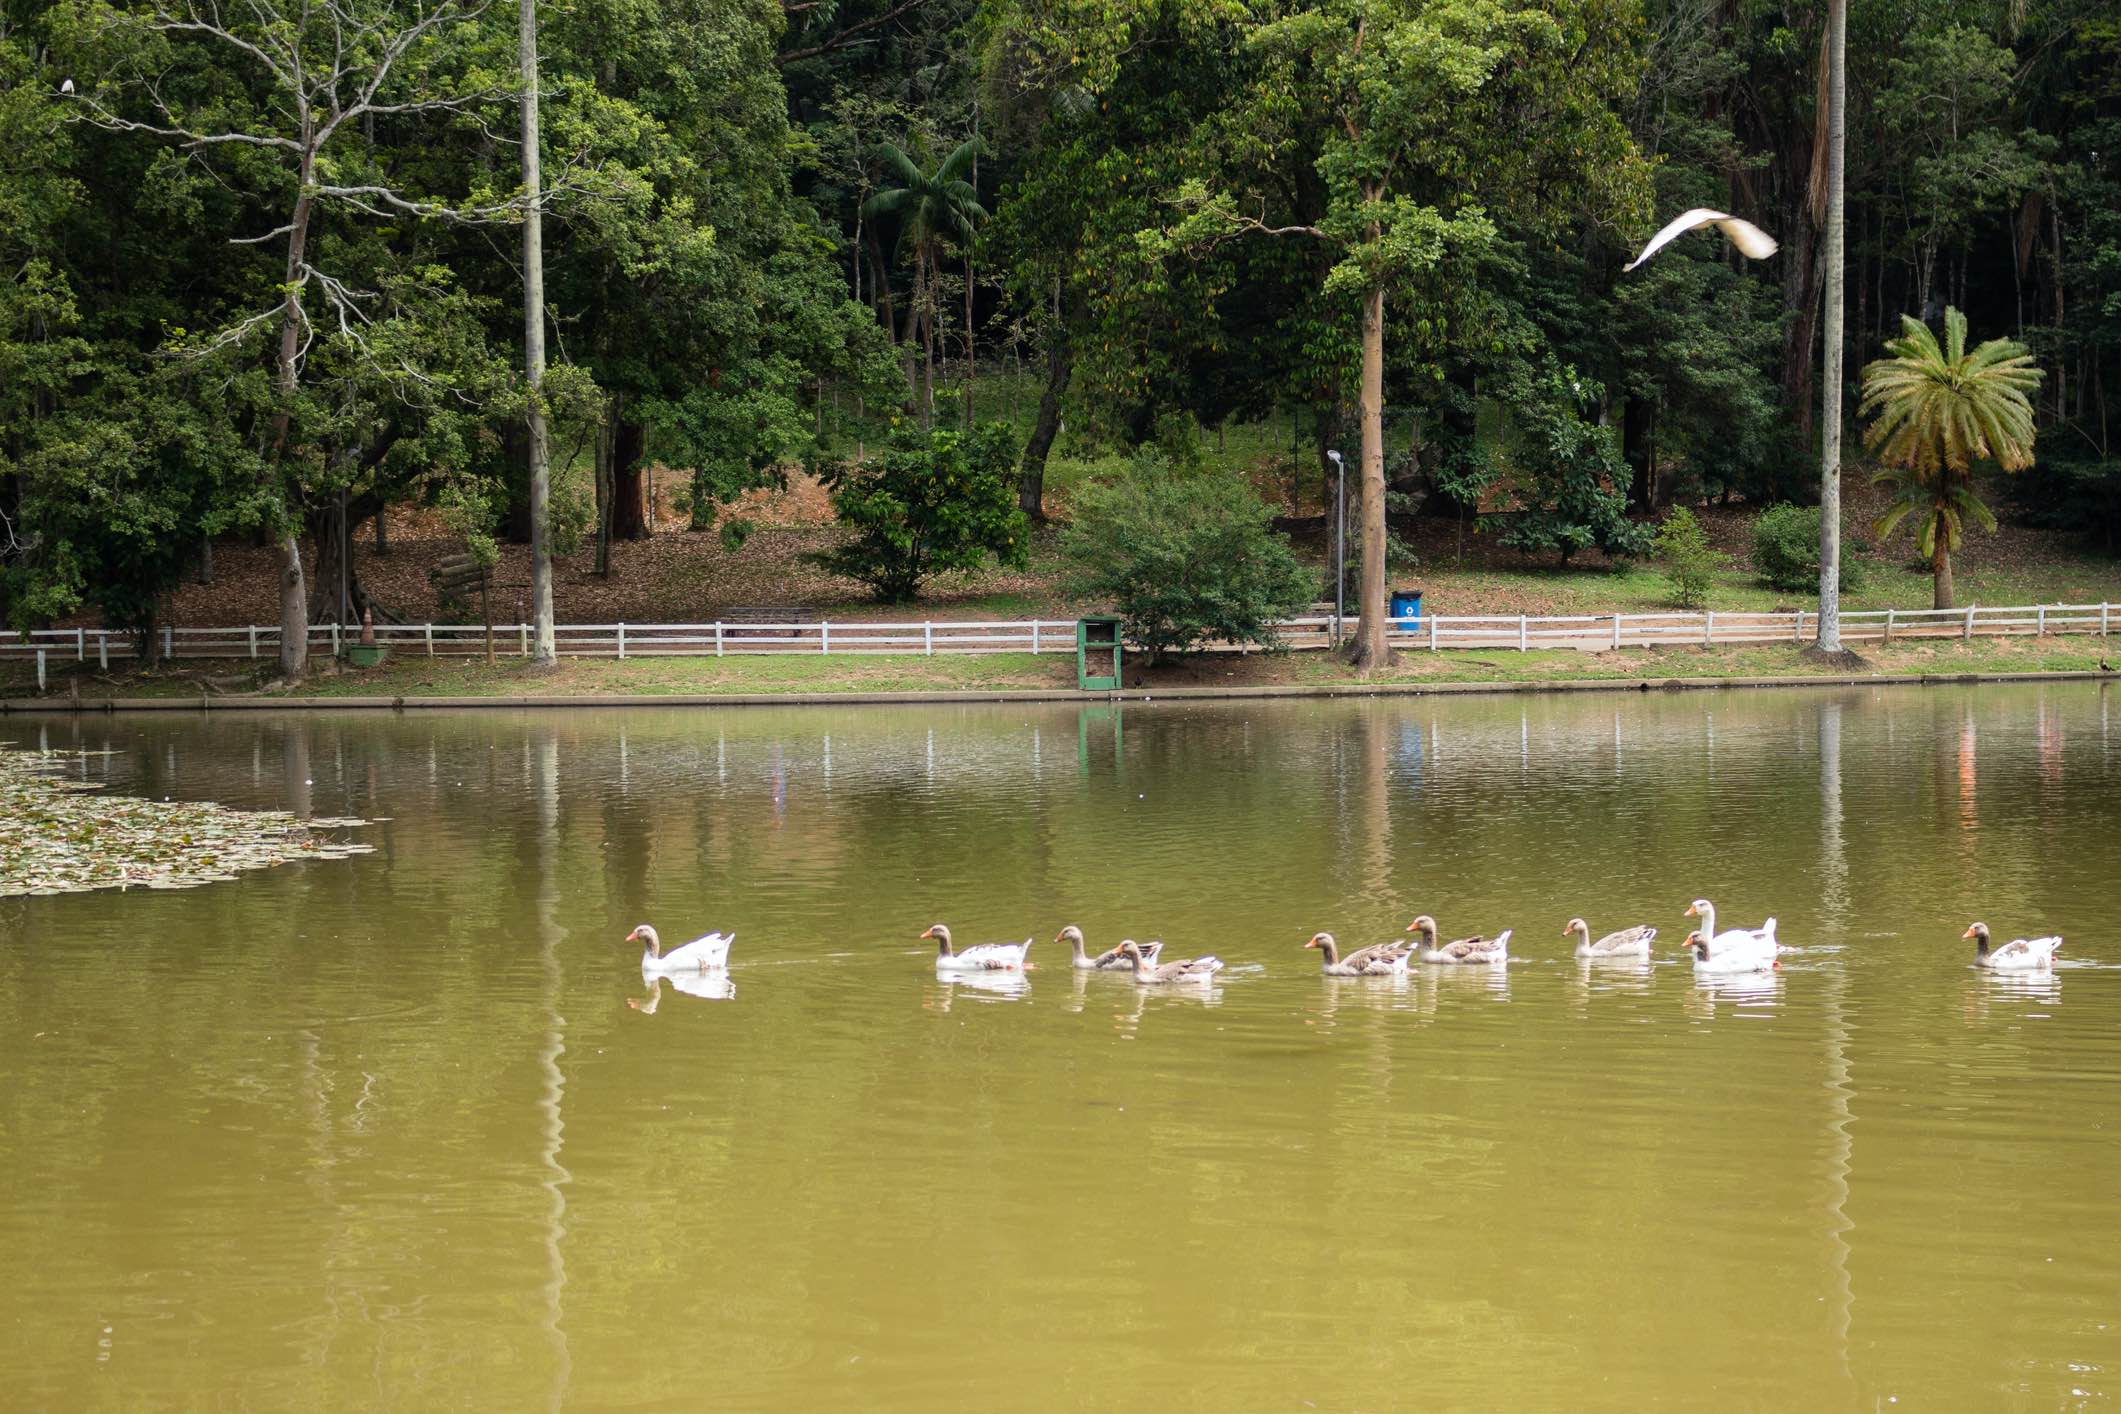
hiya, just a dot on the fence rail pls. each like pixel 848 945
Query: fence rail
pixel 1589 632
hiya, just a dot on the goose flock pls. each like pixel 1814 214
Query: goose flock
pixel 1734 950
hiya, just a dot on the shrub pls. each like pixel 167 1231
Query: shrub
pixel 934 501
pixel 1572 481
pixel 1184 558
pixel 1786 550
pixel 1689 560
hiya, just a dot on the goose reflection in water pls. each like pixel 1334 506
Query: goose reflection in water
pixel 1127 1020
pixel 2027 994
pixel 948 987
pixel 1736 990
pixel 708 986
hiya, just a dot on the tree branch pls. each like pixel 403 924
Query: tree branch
pixel 848 33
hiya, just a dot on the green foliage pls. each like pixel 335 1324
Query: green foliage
pixel 1689 560
pixel 1185 557
pixel 1938 410
pixel 2073 493
pixel 1571 482
pixel 1941 409
pixel 1786 550
pixel 936 500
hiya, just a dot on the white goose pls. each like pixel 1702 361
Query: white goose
pixel 2017 955
pixel 700 955
pixel 1628 942
pixel 982 957
pixel 1735 941
pixel 1711 960
pixel 1110 960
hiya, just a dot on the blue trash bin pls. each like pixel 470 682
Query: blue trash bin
pixel 1406 610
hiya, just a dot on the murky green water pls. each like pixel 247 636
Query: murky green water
pixel 385 1133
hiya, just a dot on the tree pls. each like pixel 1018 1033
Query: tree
pixel 544 651
pixel 932 205
pixel 1571 482
pixel 1185 558
pixel 305 85
pixel 1397 133
pixel 938 499
pixel 1937 412
pixel 1690 561
pixel 1836 275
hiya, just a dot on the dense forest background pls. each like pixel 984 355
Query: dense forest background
pixel 260 262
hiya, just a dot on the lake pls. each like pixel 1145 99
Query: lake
pixel 408 1130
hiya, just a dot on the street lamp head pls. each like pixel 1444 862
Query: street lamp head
pixel 1335 456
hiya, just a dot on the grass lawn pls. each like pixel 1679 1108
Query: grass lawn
pixel 778 674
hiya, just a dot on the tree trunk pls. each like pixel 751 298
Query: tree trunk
pixel 1800 300
pixel 1635 446
pixel 928 303
pixel 294 596
pixel 543 647
pixel 1830 409
pixel 971 362
pixel 1031 480
pixel 1371 649
pixel 1941 573
pixel 908 345
pixel 382 535
pixel 632 518
pixel 606 489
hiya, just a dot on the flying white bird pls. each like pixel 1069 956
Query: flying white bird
pixel 1752 242
pixel 67 87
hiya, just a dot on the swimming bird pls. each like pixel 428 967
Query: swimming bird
pixel 1752 242
pixel 981 957
pixel 699 955
pixel 1110 960
pixel 1378 960
pixel 1477 948
pixel 1186 969
pixel 1628 942
pixel 1733 940
pixel 1710 958
pixel 2017 955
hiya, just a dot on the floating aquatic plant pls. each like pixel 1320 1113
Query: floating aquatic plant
pixel 59 836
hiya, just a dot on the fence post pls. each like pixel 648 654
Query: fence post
pixel 1889 615
pixel 824 635
pixel 622 643
pixel 717 638
pixel 928 637
pixel 2040 621
pixel 430 637
pixel 103 649
pixel 2102 618
pixel 1969 623
pixel 1798 636
pixel 1708 628
pixel 522 637
pixel 335 644
pixel 1520 632
pixel 1034 637
pixel 251 633
pixel 80 645
pixel 40 670
pixel 1616 633
pixel 1432 633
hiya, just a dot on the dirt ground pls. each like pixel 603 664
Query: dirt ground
pixel 680 576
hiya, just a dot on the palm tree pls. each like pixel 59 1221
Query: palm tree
pixel 1938 411
pixel 931 205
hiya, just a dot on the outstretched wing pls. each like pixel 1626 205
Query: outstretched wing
pixel 1752 242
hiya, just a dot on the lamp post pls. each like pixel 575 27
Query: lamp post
pixel 1340 543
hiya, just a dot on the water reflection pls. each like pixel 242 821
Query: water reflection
pixel 1738 992
pixel 707 986
pixel 948 988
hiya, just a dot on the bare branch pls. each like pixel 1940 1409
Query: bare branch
pixel 111 122
pixel 848 33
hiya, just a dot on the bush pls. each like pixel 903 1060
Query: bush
pixel 934 501
pixel 1688 559
pixel 1572 480
pixel 1184 558
pixel 1786 550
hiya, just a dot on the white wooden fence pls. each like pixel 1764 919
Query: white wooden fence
pixel 1589 632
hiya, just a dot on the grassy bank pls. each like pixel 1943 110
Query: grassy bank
pixel 733 676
